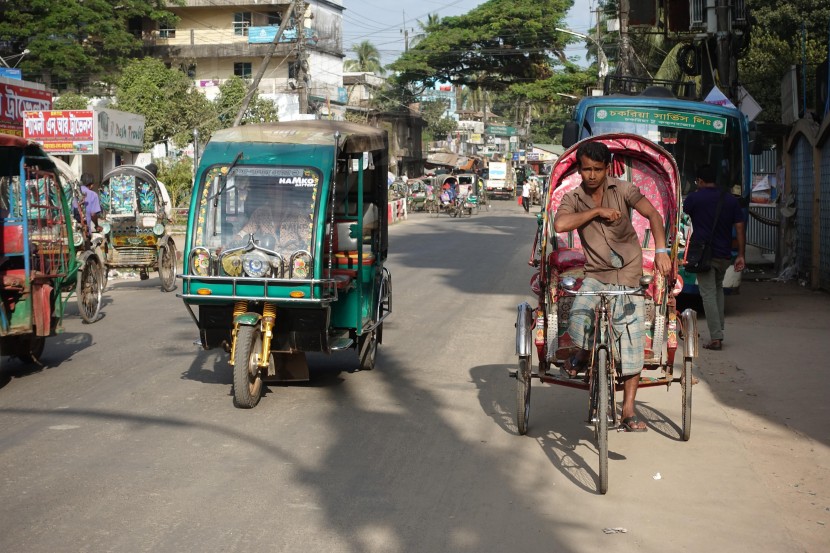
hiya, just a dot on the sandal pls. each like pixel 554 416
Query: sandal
pixel 714 345
pixel 573 366
pixel 632 424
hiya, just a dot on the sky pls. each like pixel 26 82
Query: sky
pixel 381 22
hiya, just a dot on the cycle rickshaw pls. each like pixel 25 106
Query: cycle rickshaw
pixel 136 223
pixel 543 330
pixel 41 257
pixel 285 248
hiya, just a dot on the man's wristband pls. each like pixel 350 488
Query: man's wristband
pixel 661 250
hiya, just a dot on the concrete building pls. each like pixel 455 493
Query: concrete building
pixel 217 39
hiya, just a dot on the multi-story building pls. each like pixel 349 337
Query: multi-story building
pixel 217 39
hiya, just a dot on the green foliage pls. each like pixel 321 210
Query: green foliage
pixel 227 104
pixel 177 176
pixel 166 98
pixel 438 125
pixel 498 43
pixel 368 59
pixel 71 43
pixel 70 100
pixel 776 43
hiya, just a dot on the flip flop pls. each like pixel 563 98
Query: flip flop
pixel 631 424
pixel 714 345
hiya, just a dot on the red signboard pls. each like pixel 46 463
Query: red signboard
pixel 61 132
pixel 16 99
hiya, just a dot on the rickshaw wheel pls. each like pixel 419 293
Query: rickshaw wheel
pixel 247 379
pixel 167 267
pixel 90 287
pixel 603 406
pixel 368 352
pixel 523 395
pixel 28 348
pixel 686 387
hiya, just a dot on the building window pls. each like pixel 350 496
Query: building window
pixel 241 22
pixel 274 19
pixel 242 69
pixel 167 32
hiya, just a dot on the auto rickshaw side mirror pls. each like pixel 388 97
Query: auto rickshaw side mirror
pixel 570 134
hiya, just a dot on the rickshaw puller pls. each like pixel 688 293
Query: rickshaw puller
pixel 599 211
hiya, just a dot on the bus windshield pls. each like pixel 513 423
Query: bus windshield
pixel 693 137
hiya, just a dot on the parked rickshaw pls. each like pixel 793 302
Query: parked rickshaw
pixel 421 194
pixel 560 262
pixel 40 266
pixel 285 248
pixel 136 224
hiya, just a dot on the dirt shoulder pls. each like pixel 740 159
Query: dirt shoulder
pixel 773 378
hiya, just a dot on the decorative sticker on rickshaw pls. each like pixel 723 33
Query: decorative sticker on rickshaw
pixel 146 198
pixel 121 197
pixel 664 118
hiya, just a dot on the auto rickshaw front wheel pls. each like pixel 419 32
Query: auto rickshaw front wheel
pixel 247 378
pixel 167 266
pixel 28 347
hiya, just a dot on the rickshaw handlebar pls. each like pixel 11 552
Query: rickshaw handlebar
pixel 636 292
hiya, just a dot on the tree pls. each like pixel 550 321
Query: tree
pixel 227 104
pixel 438 124
pixel 509 41
pixel 69 101
pixel 72 44
pixel 368 59
pixel 166 98
pixel 177 176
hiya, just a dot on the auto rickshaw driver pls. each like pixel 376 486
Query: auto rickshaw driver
pixel 278 223
pixel 264 219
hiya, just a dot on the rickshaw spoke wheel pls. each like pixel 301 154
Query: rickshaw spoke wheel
pixel 247 378
pixel 686 388
pixel 167 267
pixel 603 410
pixel 523 395
pixel 90 288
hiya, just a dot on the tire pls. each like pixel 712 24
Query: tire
pixel 247 378
pixel 686 388
pixel 89 289
pixel 167 267
pixel 603 407
pixel 523 395
pixel 367 356
pixel 29 348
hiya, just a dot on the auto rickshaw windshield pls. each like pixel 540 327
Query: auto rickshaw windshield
pixel 274 204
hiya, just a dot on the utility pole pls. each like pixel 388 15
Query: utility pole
pixel 405 32
pixel 264 65
pixel 302 61
pixel 625 40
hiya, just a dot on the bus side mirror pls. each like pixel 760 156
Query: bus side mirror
pixel 570 134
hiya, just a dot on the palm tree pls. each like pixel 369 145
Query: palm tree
pixel 433 19
pixel 368 59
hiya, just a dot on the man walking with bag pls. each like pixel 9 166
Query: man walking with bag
pixel 714 212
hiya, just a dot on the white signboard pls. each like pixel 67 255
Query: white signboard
pixel 120 130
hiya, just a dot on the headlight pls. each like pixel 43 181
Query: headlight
pixel 77 237
pixel 200 261
pixel 106 227
pixel 256 264
pixel 300 265
pixel 158 229
pixel 232 264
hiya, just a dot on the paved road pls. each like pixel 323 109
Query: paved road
pixel 127 439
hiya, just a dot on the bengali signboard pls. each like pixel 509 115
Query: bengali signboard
pixel 501 130
pixel 62 132
pixel 663 118
pixel 17 99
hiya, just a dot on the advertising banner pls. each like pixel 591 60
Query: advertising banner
pixel 16 99
pixel 62 132
pixel 664 118
pixel 120 130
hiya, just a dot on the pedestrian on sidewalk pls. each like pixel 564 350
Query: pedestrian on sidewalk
pixel 702 206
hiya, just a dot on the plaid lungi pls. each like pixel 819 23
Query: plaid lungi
pixel 627 319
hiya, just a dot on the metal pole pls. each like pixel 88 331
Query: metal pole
pixel 264 65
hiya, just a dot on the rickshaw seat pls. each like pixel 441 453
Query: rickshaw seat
pixel 564 259
pixel 343 278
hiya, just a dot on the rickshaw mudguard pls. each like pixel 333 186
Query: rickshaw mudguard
pixel 524 330
pixel 247 319
pixel 690 334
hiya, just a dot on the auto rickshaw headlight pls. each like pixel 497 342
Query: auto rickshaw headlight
pixel 200 261
pixel 77 239
pixel 106 227
pixel 256 264
pixel 232 265
pixel 158 229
